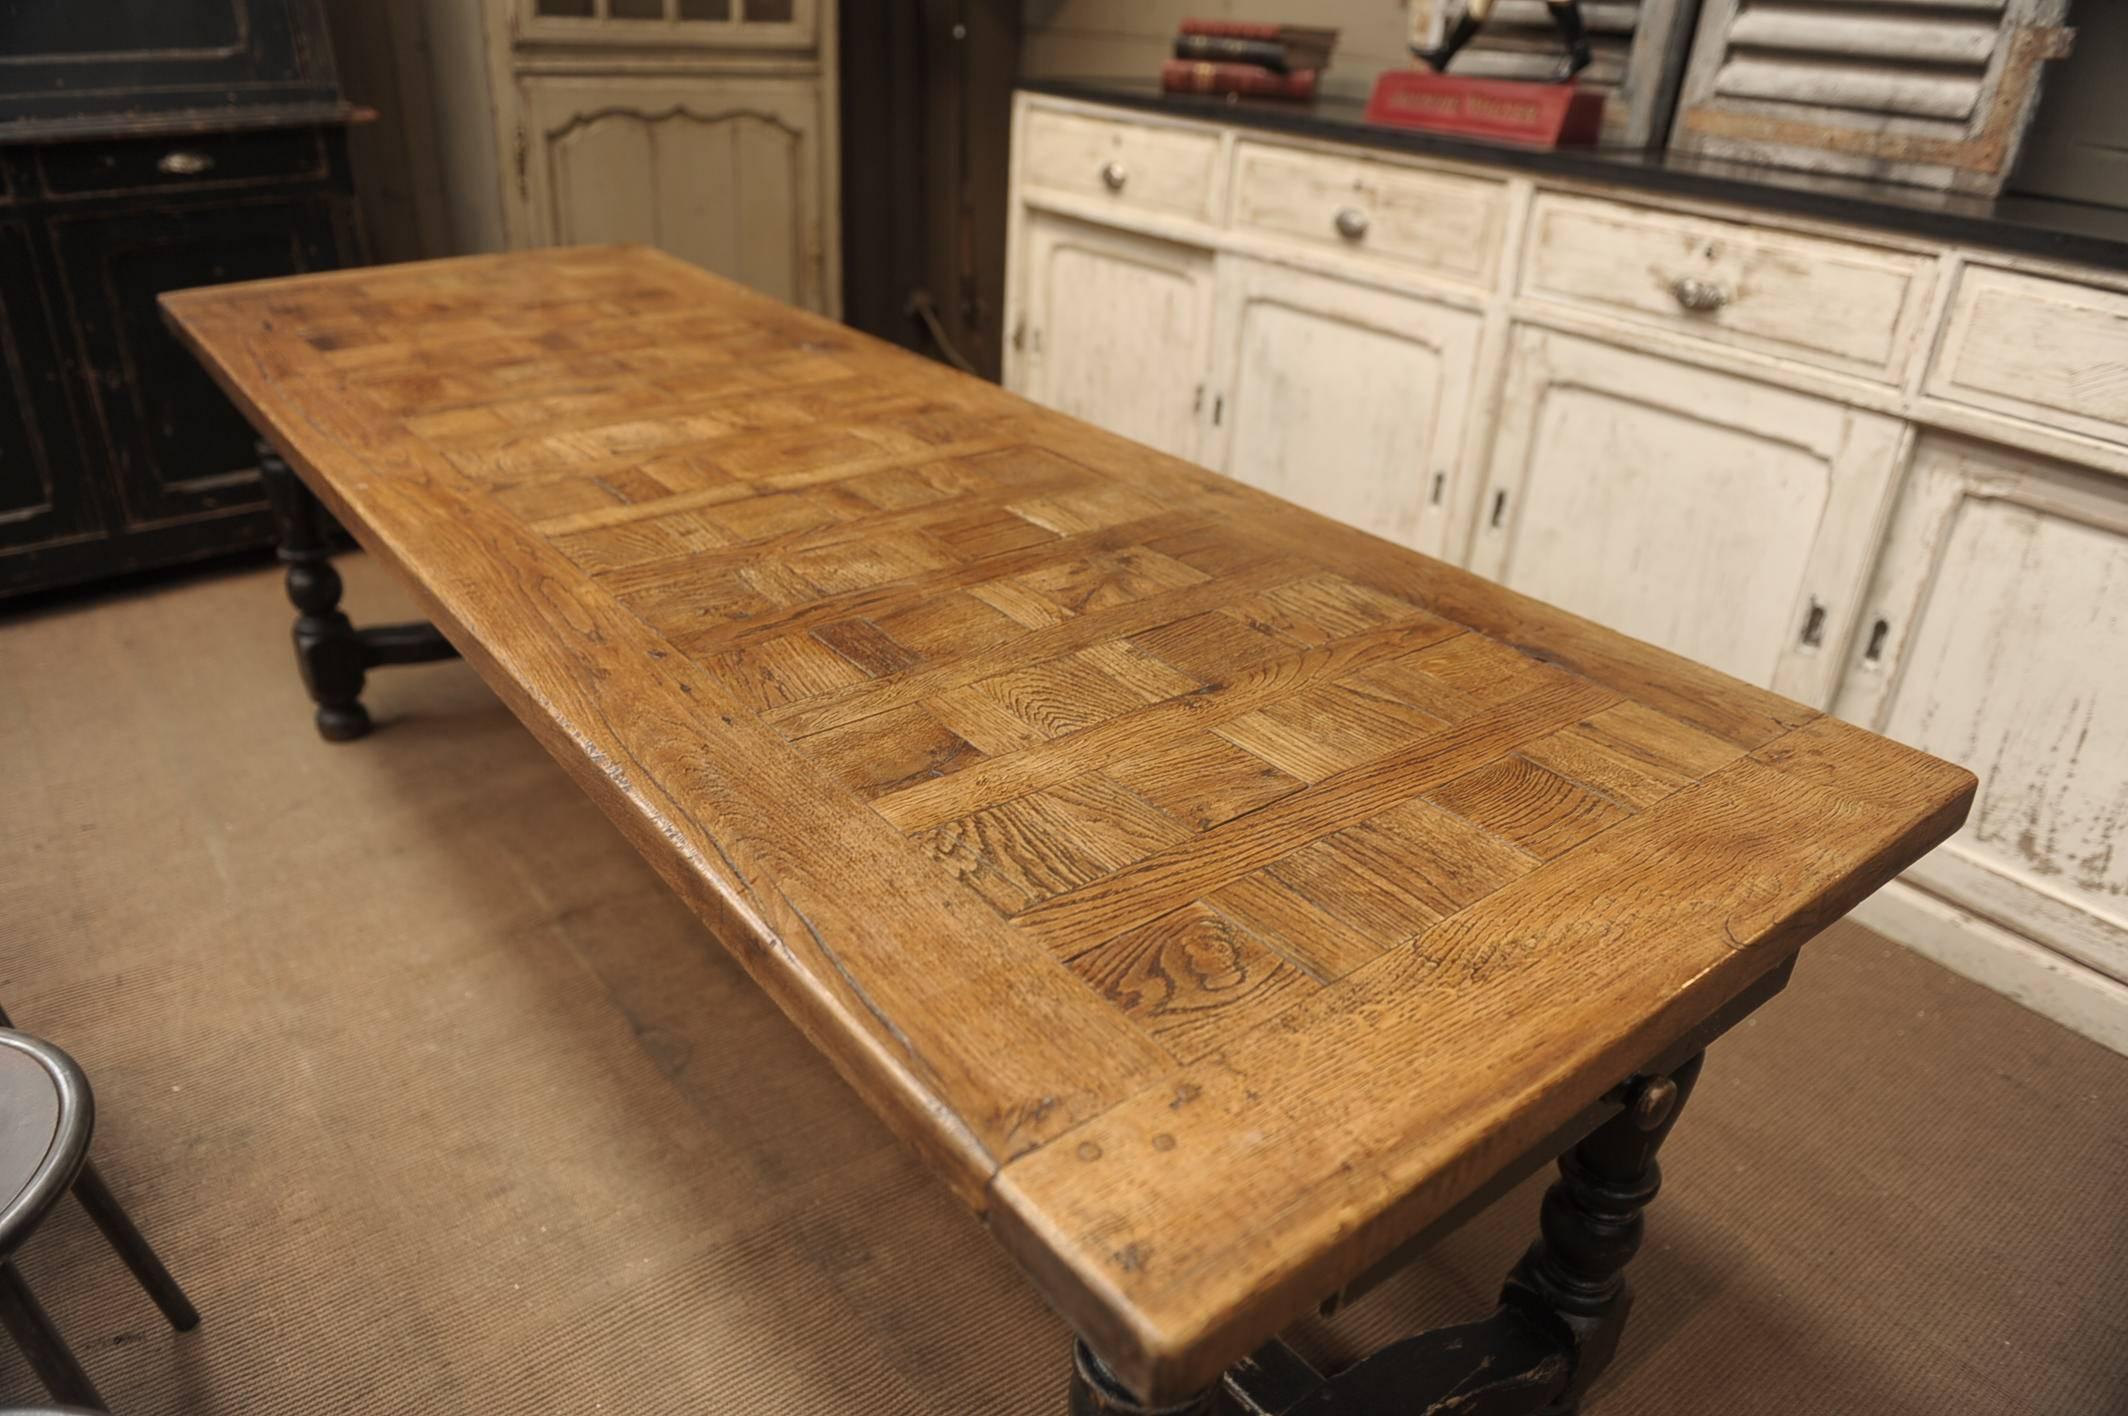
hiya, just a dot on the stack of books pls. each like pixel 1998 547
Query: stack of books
pixel 1244 57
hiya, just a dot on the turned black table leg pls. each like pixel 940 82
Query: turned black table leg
pixel 334 657
pixel 1557 1327
pixel 1096 1392
pixel 1592 1224
pixel 1559 1317
pixel 328 651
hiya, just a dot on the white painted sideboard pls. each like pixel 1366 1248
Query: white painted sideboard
pixel 1883 475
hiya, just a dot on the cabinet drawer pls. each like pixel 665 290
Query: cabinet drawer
pixel 2050 350
pixel 1432 220
pixel 1141 165
pixel 1834 303
pixel 194 160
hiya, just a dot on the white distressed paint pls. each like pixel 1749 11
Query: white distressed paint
pixel 726 177
pixel 2074 996
pixel 1446 223
pixel 1118 330
pixel 1694 509
pixel 1776 290
pixel 1916 39
pixel 2003 590
pixel 1346 400
pixel 1155 167
pixel 1861 88
pixel 1895 91
pixel 1699 482
pixel 2055 351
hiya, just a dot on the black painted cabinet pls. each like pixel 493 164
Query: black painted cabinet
pixel 44 499
pixel 74 60
pixel 175 448
pixel 117 453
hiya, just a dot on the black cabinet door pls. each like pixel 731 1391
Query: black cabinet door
pixel 70 57
pixel 45 500
pixel 176 447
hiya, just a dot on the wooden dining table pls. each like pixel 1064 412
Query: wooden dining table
pixel 1222 901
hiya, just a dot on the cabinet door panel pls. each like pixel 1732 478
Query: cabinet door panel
pixel 44 493
pixel 1345 399
pixel 64 59
pixel 721 171
pixel 1999 615
pixel 177 447
pixel 1118 329
pixel 1725 519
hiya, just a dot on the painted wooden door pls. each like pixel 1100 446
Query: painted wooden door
pixel 1344 398
pixel 1997 625
pixel 1723 518
pixel 1118 330
pixel 723 170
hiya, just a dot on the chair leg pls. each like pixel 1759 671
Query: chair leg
pixel 48 1354
pixel 102 1206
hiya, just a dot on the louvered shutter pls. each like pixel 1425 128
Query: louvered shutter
pixel 1934 92
pixel 1638 48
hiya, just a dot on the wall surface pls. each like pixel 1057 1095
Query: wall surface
pixel 425 170
pixel 2078 146
pixel 1127 38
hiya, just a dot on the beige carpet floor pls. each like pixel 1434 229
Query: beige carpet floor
pixel 438 1102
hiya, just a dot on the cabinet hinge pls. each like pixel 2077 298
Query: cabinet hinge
pixel 1019 335
pixel 524 189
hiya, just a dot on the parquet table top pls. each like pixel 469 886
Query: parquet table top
pixel 1215 894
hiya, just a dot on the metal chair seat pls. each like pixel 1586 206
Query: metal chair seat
pixel 47 1114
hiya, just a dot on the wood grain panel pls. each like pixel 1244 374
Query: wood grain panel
pixel 1773 287
pixel 2050 351
pixel 1062 791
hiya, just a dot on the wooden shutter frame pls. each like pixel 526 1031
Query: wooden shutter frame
pixel 1904 149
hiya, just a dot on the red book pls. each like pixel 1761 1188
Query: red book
pixel 1306 46
pixel 1542 115
pixel 1184 76
pixel 1256 29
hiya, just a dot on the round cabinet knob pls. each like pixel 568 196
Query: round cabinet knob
pixel 184 164
pixel 1351 223
pixel 1114 175
pixel 1698 295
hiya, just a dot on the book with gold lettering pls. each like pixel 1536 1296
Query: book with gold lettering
pixel 1505 110
pixel 1295 47
pixel 1184 76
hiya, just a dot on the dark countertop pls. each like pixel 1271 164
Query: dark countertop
pixel 188 122
pixel 2034 226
